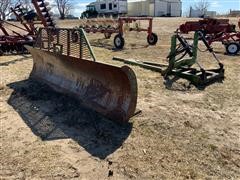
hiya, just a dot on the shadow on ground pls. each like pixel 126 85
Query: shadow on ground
pixel 102 43
pixel 177 84
pixel 53 116
pixel 109 44
pixel 15 60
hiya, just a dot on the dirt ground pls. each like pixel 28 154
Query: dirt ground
pixel 182 133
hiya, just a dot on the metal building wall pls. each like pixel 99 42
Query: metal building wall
pixel 155 8
pixel 176 9
pixel 139 8
pixel 160 8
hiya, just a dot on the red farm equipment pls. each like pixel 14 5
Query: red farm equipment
pixel 208 26
pixel 118 27
pixel 11 41
pixel 216 30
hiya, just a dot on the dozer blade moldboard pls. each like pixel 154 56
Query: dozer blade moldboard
pixel 107 89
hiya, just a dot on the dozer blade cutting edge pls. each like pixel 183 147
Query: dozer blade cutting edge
pixel 107 89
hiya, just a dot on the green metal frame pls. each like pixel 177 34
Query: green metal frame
pixel 182 67
pixel 173 64
pixel 83 38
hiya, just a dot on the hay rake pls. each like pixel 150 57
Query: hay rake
pixel 118 27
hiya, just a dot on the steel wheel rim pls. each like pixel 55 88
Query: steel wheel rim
pixel 118 41
pixel 232 48
pixel 151 38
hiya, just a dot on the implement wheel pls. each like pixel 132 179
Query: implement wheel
pixel 119 41
pixel 152 39
pixel 232 48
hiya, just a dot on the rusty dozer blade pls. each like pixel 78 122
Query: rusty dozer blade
pixel 107 89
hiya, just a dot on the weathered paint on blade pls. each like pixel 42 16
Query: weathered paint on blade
pixel 109 90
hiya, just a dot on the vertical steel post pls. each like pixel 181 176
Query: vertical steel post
pixel 68 42
pixel 172 57
pixel 49 38
pixel 150 26
pixel 81 43
pixel 88 44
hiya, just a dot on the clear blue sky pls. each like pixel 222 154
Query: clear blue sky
pixel 221 6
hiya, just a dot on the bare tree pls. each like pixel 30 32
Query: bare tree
pixel 25 3
pixel 5 8
pixel 64 7
pixel 202 5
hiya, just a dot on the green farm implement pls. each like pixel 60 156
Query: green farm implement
pixel 183 62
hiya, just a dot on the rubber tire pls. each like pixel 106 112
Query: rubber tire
pixel 237 46
pixel 119 41
pixel 152 39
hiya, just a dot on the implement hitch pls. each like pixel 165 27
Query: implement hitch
pixel 181 66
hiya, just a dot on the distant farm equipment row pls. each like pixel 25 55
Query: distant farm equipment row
pixel 208 26
pixel 216 30
pixel 119 26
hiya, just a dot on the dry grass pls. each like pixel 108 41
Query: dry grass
pixel 182 133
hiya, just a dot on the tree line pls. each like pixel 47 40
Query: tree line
pixel 63 7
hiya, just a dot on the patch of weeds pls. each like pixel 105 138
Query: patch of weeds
pixel 213 147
